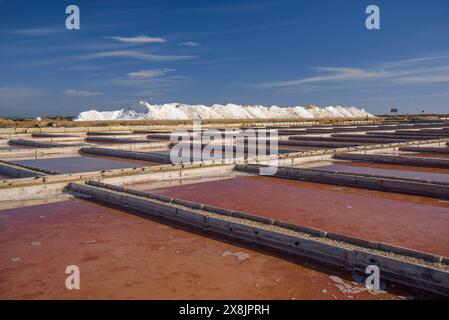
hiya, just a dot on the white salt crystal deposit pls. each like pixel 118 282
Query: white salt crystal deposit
pixel 178 111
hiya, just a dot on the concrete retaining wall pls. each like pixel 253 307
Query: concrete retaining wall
pixel 425 149
pixel 38 187
pixel 71 139
pixel 115 140
pixel 172 126
pixel 407 186
pixel 442 134
pixel 135 155
pixel 360 138
pixel 57 135
pixel 38 144
pixel 16 171
pixel 404 136
pixel 299 241
pixel 399 160
pixel 294 141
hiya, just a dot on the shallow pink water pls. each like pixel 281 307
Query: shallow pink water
pixel 415 222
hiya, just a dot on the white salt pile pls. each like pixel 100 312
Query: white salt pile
pixel 178 111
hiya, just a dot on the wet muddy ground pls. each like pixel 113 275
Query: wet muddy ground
pixel 121 256
pixel 414 222
pixel 83 163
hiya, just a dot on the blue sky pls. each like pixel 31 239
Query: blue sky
pixel 204 52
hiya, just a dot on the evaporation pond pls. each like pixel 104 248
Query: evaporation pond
pixel 83 163
pixel 406 172
pixel 415 222
pixel 122 256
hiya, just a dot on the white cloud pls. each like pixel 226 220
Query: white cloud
pixel 425 79
pixel 146 78
pixel 38 31
pixel 149 73
pixel 189 44
pixel 80 68
pixel 134 55
pixel 411 71
pixel 138 39
pixel 80 93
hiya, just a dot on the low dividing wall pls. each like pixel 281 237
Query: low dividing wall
pixel 135 155
pixel 115 140
pixel 41 144
pixel 149 145
pixel 58 136
pixel 110 133
pixel 174 124
pixel 391 135
pixel 336 129
pixel 404 136
pixel 72 139
pixel 399 160
pixel 38 187
pixel 365 181
pixel 37 153
pixel 443 134
pixel 294 141
pixel 359 138
pixel 16 171
pixel 415 269
pixel 425 149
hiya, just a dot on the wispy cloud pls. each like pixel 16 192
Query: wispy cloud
pixel 14 92
pixel 414 61
pixel 246 29
pixel 81 93
pixel 138 39
pixel 148 73
pixel 80 68
pixel 189 44
pixel 139 55
pixel 424 79
pixel 411 71
pixel 37 31
pixel 232 8
pixel 146 78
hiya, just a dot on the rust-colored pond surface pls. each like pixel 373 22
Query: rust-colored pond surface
pixel 122 256
pixel 414 222
pixel 373 169
pixel 83 163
